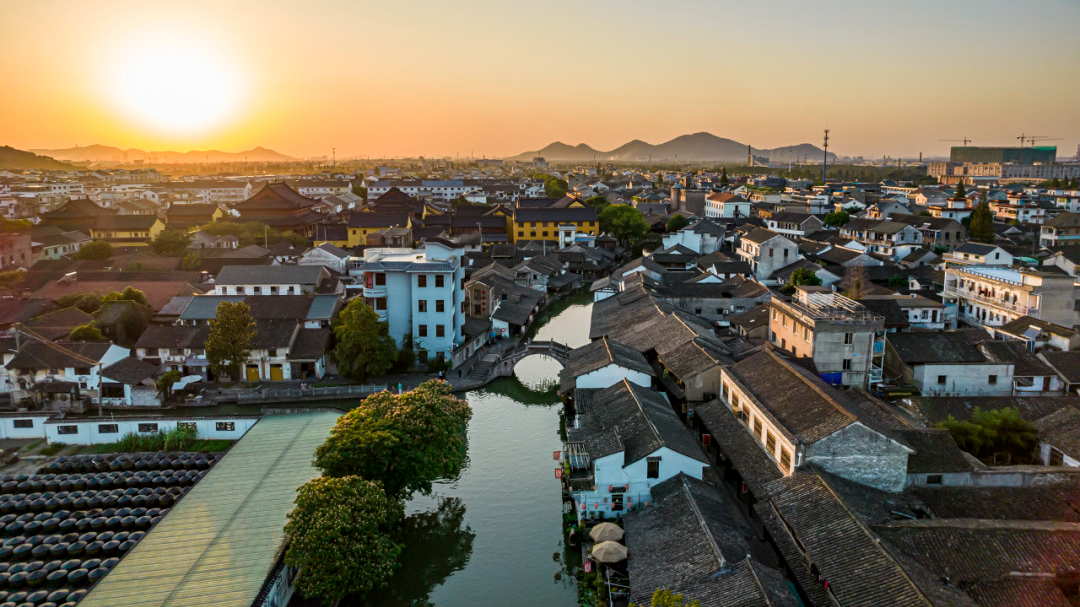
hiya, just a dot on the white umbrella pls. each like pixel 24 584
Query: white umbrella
pixel 609 552
pixel 606 532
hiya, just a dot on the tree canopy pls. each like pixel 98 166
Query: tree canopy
pixel 598 202
pixel 11 281
pixel 339 537
pixel 128 294
pixel 961 192
pixel 253 232
pixel 804 276
pixel 837 218
pixel 95 249
pixel 229 341
pixel 724 181
pixel 993 432
pixel 403 441
pixel 981 225
pixel 364 346
pixel 624 223
pixel 165 383
pixel 677 222
pixel 173 243
pixel 87 332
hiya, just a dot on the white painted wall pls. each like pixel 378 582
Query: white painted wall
pixel 608 376
pixel 89 432
pixel 8 429
pixel 609 471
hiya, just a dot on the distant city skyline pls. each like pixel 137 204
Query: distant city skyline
pixel 415 78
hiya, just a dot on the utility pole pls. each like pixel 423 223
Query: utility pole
pixel 825 160
pixel 333 159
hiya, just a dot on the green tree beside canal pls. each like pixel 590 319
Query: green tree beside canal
pixel 364 346
pixel 403 441
pixel 339 537
pixel 341 532
pixel 229 341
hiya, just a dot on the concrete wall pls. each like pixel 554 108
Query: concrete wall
pixel 1044 456
pixel 963 379
pixel 862 455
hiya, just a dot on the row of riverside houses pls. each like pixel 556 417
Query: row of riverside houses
pixel 449 296
pixel 857 501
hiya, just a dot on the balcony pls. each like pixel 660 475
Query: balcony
pixel 375 291
pixel 972 295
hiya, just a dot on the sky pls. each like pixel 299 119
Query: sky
pixel 497 78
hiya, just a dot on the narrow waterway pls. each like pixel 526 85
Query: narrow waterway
pixel 494 535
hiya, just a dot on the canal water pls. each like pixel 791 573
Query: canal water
pixel 494 535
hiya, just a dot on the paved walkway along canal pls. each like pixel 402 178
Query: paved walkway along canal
pixel 494 536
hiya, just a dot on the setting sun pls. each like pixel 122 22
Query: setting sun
pixel 174 88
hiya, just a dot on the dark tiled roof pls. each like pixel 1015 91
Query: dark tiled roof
pixel 935 452
pixel 1060 502
pixel 129 371
pixel 274 333
pixel 555 214
pixel 938 347
pixel 976 248
pixel 270 275
pixel 635 421
pixel 760 235
pixel 1019 326
pixel 686 539
pixel 937 408
pixel 747 455
pixel 168 336
pixel 58 324
pixel 378 220
pixel 599 354
pixel 971 552
pixel 804 408
pixel 1061 429
pixel 310 344
pixel 125 222
pixel 1067 364
pixel 38 355
pixel 858 570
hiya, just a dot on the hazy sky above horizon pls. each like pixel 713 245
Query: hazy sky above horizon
pixel 419 77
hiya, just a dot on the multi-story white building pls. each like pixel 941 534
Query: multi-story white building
pixel 767 252
pixel 991 296
pixel 892 238
pixel 727 205
pixel 419 292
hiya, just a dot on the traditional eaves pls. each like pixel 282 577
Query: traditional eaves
pixel 130 371
pixel 1061 430
pixel 805 509
pixel 599 354
pixel 802 407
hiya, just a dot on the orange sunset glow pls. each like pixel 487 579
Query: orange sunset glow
pixel 489 78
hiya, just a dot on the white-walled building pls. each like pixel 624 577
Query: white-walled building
pixel 767 252
pixel 629 440
pixel 270 280
pixel 727 205
pixel 991 295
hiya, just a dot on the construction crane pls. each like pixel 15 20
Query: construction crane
pixel 963 140
pixel 1035 138
pixel 1025 137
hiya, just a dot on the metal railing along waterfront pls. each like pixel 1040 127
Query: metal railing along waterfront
pixel 297 393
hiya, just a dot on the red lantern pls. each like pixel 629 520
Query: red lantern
pixel 596 506
pixel 583 507
pixel 558 473
pixel 627 487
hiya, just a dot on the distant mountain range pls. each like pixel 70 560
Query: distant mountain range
pixel 19 160
pixel 109 154
pixel 699 147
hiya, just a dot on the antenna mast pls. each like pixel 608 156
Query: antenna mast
pixel 825 160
